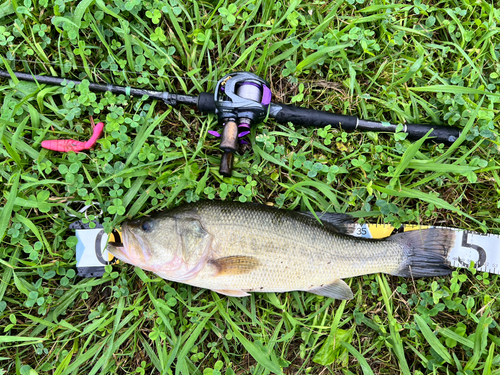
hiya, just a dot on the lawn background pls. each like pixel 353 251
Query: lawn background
pixel 420 62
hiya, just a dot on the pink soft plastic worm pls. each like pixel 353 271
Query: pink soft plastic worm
pixel 67 145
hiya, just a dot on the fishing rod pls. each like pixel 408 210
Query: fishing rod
pixel 243 99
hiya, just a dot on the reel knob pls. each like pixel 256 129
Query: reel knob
pixel 229 137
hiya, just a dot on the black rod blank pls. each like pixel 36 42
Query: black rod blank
pixel 167 97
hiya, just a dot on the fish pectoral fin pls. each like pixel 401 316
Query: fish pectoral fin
pixel 232 293
pixel 337 290
pixel 234 265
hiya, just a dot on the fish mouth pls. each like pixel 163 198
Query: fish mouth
pixel 134 250
pixel 117 249
pixel 120 249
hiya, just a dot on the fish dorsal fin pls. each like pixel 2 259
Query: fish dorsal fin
pixel 234 265
pixel 195 240
pixel 232 293
pixel 337 222
pixel 337 290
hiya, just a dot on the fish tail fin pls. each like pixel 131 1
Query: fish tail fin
pixel 425 252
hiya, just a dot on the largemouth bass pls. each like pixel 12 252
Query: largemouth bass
pixel 235 248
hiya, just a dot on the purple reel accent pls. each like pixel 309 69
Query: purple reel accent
pixel 243 126
pixel 266 95
pixel 242 134
pixel 266 92
pixel 214 133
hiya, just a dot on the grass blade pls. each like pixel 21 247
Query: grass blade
pixel 34 229
pixel 193 336
pixel 446 332
pixel 143 135
pixel 23 147
pixel 411 193
pixel 480 339
pixel 314 57
pixel 432 339
pixel 408 157
pixel 489 360
pixel 251 348
pixel 396 338
pixel 6 213
pixel 365 367
pixel 11 339
pixel 66 361
pixel 324 355
pixel 463 134
pixel 152 355
pixel 453 90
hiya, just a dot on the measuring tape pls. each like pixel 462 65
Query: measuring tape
pixel 91 253
pixel 482 249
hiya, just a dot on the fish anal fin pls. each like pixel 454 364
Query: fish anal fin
pixel 234 265
pixel 232 293
pixel 337 290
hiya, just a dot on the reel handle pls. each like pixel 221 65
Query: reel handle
pixel 229 137
pixel 240 99
pixel 229 144
pixel 226 164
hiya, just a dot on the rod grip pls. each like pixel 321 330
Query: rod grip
pixel 314 118
pixel 206 102
pixel 311 117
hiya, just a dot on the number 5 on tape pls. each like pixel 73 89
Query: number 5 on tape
pixel 91 253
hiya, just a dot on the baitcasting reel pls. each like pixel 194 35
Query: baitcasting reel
pixel 241 99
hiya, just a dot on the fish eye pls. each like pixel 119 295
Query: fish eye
pixel 147 225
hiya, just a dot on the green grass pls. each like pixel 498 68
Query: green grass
pixel 405 62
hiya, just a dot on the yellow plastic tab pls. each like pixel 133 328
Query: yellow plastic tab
pixel 380 231
pixel 415 227
pixel 112 238
pixel 385 230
